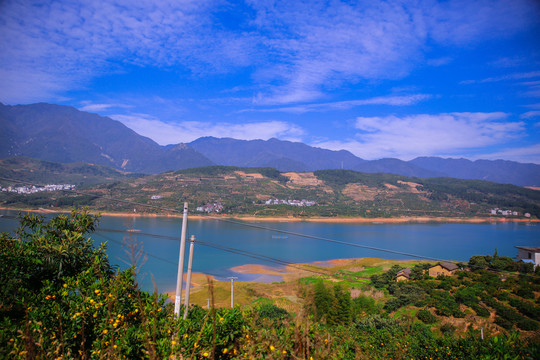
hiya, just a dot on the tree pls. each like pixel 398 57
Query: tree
pixel 479 261
pixel 340 313
pixel 46 252
pixel 323 301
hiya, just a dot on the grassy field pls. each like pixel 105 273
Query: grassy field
pixel 352 273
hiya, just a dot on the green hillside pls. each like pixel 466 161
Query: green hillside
pixel 62 298
pixel 329 193
pixel 46 172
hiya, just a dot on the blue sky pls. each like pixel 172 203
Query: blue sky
pixel 378 78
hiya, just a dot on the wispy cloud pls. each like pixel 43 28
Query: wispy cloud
pixel 513 76
pixel 322 43
pixel 294 51
pixel 404 100
pixel 74 41
pixel 530 114
pixel 425 134
pixel 187 131
pixel 90 107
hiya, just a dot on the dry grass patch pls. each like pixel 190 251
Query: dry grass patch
pixel 359 192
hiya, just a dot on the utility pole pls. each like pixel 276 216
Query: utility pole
pixel 180 276
pixel 232 278
pixel 188 280
pixel 208 304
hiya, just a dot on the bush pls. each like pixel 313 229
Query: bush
pixel 526 308
pixel 480 311
pixel 426 316
pixel 377 322
pixel 448 329
pixel 271 311
pixel 502 322
pixel 445 304
pixel 364 305
pixel 527 324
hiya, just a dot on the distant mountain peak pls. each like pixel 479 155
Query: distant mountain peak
pixel 64 134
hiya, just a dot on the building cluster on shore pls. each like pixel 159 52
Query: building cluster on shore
pixel 302 202
pixel 36 189
pixel 216 207
pixel 497 211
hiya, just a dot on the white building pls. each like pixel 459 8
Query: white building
pixel 529 254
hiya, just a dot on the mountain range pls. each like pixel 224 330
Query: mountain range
pixel 64 134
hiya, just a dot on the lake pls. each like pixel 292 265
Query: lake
pixel 435 240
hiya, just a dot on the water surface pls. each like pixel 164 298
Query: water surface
pixel 442 241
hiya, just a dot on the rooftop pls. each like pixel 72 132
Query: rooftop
pixel 529 248
pixel 448 265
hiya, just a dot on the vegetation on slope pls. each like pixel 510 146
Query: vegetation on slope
pixel 46 172
pixel 61 298
pixel 244 191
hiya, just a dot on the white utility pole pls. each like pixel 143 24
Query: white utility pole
pixel 180 276
pixel 232 278
pixel 188 280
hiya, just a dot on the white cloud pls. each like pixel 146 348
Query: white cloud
pixel 530 114
pixel 187 131
pixel 423 134
pixel 88 106
pixel 465 21
pixel 513 76
pixel 74 41
pixel 295 51
pixel 393 100
pixel 321 43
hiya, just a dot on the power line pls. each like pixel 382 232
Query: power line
pixel 250 225
pixel 326 239
pixel 244 252
pixel 247 225
pixel 222 248
pixel 152 255
pixel 271 259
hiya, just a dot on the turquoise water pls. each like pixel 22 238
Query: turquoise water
pixel 441 241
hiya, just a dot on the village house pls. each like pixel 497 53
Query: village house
pixel 403 275
pixel 444 268
pixel 530 254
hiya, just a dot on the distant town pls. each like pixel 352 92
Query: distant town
pixel 217 207
pixel 36 189
pixel 497 211
pixel 302 202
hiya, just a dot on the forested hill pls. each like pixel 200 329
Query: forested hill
pixel 46 172
pixel 324 193
pixel 64 134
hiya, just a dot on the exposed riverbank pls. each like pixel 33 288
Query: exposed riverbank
pixel 335 220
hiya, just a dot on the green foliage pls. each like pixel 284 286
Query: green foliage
pixel 340 312
pixel 445 304
pixel 448 329
pixel 72 304
pixel 467 295
pixel 364 305
pixel 387 278
pixel 271 311
pixel 479 262
pixel 333 305
pixel 426 316
pixel 323 301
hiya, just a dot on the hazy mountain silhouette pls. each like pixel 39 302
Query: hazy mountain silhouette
pixel 64 134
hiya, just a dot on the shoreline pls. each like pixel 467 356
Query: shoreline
pixel 336 220
pixel 266 274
